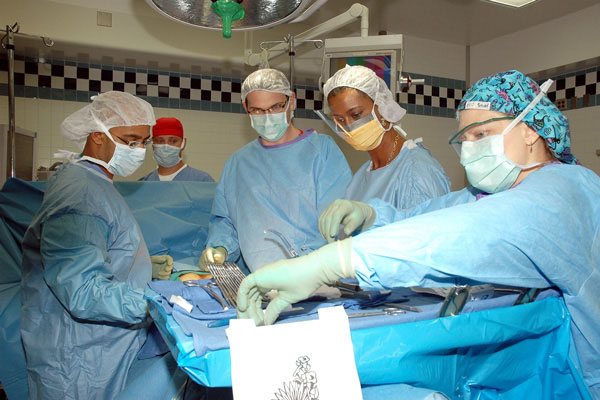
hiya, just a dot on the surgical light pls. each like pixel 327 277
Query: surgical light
pixel 511 3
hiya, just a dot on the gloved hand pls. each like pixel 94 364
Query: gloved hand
pixel 295 279
pixel 161 266
pixel 212 255
pixel 352 214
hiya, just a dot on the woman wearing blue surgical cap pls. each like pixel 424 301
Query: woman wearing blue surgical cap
pixel 400 171
pixel 531 218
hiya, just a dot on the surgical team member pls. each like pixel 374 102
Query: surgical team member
pixel 85 263
pixel 531 218
pixel 401 172
pixel 168 144
pixel 281 181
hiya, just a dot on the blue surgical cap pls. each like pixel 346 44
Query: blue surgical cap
pixel 509 93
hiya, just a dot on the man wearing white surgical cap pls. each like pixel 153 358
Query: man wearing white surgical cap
pixel 85 263
pixel 400 171
pixel 282 181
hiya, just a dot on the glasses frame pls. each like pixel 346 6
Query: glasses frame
pixel 454 138
pixel 134 143
pixel 271 110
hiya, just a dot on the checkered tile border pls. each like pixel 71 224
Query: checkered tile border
pixel 75 81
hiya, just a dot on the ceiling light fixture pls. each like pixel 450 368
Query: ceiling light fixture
pixel 511 3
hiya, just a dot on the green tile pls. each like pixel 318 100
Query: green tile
pixel 118 68
pixel 19 90
pixel 83 96
pixel 215 106
pixel 184 104
pixel 226 107
pixel 127 69
pixel 435 111
pixel 196 105
pixel 70 95
pixel 71 63
pixel 410 108
pixel 205 105
pixel 173 103
pixel 427 110
pixel 31 92
pixel 45 93
pixel 435 81
pixel 236 108
pixel 58 94
pixel 163 102
pixel 153 100
pixel 419 110
pixel 97 66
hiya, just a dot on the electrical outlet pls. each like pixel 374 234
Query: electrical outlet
pixel 561 104
pixel 104 19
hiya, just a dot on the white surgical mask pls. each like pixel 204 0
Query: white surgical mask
pixel 270 127
pixel 167 155
pixel 485 163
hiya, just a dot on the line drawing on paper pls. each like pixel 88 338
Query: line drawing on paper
pixel 303 386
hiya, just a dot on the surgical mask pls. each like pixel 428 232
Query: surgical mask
pixel 270 127
pixel 485 163
pixel 364 134
pixel 167 155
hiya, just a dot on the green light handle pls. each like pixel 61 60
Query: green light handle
pixel 229 11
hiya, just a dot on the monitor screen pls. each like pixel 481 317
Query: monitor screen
pixel 381 64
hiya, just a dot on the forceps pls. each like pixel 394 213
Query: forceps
pixel 208 289
pixel 383 311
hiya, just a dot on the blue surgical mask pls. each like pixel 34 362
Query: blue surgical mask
pixel 270 127
pixel 167 155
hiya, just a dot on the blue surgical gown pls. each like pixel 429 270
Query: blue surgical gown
pixel 186 174
pixel 413 177
pixel 285 188
pixel 543 232
pixel 84 269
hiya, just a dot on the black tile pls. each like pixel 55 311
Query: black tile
pixel 71 83
pixel 57 70
pixel 236 87
pixel 19 78
pixel 443 102
pixel 94 86
pixel 106 75
pixel 570 93
pixel 141 90
pixel 552 96
pixel 412 98
pixel 119 86
pixel 205 95
pixel 225 97
pixel 310 94
pixel 427 100
pixel 590 89
pixel 300 103
pixel 419 89
pixel 318 105
pixel 129 77
pixel 560 84
pixel 580 80
pixel 450 94
pixel 598 76
pixel 195 83
pixel 44 81
pixel 163 91
pixel 3 64
pixel 152 79
pixel 83 73
pixel 456 103
pixel 184 93
pixel 31 67
pixel 435 91
pixel 173 81
pixel 215 85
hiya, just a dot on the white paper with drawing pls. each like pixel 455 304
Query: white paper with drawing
pixel 309 360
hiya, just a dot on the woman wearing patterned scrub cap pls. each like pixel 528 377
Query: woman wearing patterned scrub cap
pixel 530 218
pixel 400 171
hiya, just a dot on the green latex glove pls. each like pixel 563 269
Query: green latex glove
pixel 295 279
pixel 352 214
pixel 212 255
pixel 161 266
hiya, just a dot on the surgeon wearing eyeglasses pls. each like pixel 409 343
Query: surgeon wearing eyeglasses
pixel 281 181
pixel 530 218
pixel 401 171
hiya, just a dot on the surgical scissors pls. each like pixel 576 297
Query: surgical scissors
pixel 208 289
pixel 383 311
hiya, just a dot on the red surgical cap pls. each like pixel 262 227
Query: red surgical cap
pixel 167 126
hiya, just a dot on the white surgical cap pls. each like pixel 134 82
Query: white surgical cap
pixel 269 80
pixel 107 110
pixel 365 80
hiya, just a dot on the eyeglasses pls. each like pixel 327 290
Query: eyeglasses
pixel 134 144
pixel 274 109
pixel 462 136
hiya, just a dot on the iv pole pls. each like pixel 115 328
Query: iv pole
pixel 8 42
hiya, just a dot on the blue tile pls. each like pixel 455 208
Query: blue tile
pixel 97 66
pixel 215 106
pixel 173 103
pixel 236 108
pixel 83 65
pixel 443 82
pixel 153 101
pixel 592 101
pixel 184 103
pixel 142 70
pixel 410 108
pixel 19 90
pixel 226 107
pixel 590 70
pixel 428 80
pixel 45 93
pixel 196 105
pixel 57 62
pixel 237 80
pixel 427 110
pixel 70 95
pixel 205 105
pixel 419 110
pixel 58 94
pixel 174 74
pixel 118 68
pixel 435 111
pixel 83 96
pixel 163 102
pixel 71 63
pixel 435 81
pixel 196 76
pixel 153 72
pixel 31 92
pixel 570 74
pixel 107 67
pixel 579 102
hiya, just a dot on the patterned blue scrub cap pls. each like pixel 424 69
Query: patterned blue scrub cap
pixel 509 93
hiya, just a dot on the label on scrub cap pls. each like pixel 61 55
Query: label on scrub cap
pixel 477 105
